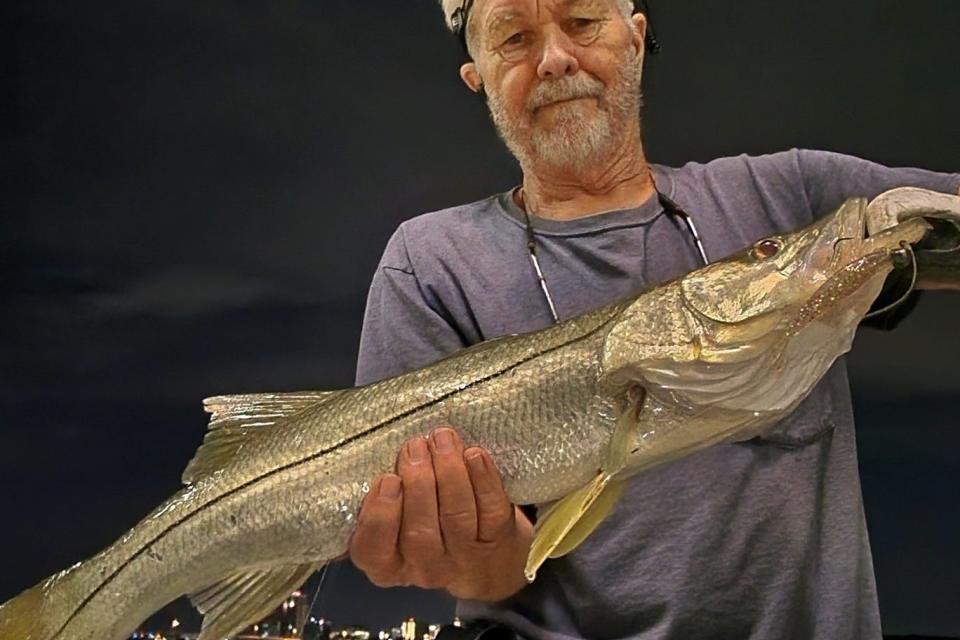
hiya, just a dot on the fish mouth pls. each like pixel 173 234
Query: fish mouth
pixel 858 270
pixel 853 244
pixel 896 240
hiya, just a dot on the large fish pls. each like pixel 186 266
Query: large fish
pixel 567 413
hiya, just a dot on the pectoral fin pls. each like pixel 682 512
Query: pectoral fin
pixel 595 514
pixel 561 520
pixel 568 522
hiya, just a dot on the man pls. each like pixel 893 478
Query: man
pixel 762 539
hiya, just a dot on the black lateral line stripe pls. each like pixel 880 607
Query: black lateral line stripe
pixel 316 455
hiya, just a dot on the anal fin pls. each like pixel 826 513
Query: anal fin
pixel 245 598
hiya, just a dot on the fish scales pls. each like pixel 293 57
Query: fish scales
pixel 494 379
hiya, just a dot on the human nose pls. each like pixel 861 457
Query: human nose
pixel 557 59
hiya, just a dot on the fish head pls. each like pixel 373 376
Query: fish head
pixel 753 335
pixel 829 271
pixel 767 323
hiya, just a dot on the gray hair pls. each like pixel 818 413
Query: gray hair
pixel 449 6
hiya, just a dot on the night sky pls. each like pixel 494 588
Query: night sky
pixel 195 196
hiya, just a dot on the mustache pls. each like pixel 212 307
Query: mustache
pixel 566 88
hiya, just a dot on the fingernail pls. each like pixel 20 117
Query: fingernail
pixel 443 440
pixel 417 451
pixel 475 461
pixel 390 487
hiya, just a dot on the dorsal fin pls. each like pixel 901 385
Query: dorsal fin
pixel 234 418
pixel 245 597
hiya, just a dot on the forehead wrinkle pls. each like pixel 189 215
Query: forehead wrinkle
pixel 588 3
pixel 497 16
pixel 582 4
pixel 500 15
pixel 500 19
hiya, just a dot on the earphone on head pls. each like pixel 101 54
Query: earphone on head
pixel 458 21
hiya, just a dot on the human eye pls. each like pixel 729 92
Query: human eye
pixel 514 45
pixel 513 40
pixel 585 28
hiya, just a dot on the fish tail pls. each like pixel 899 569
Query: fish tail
pixel 39 612
pixel 22 617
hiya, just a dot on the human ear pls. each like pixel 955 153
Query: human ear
pixel 471 77
pixel 640 32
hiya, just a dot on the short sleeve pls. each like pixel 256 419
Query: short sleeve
pixel 402 328
pixel 831 178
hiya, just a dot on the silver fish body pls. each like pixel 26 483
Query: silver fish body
pixel 273 493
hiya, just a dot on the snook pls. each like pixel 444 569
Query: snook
pixel 567 413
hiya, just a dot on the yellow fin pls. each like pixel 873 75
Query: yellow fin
pixel 22 617
pixel 42 612
pixel 245 598
pixel 234 418
pixel 560 519
pixel 568 522
pixel 595 514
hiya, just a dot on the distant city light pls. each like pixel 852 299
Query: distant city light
pixel 303 626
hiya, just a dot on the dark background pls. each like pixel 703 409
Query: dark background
pixel 195 196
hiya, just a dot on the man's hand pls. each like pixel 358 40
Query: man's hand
pixel 443 521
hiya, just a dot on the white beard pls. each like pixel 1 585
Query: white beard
pixel 573 141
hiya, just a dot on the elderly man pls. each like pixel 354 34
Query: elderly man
pixel 762 539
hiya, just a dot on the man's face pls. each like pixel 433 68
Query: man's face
pixel 562 76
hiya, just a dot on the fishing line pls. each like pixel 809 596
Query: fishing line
pixel 316 596
pixel 904 250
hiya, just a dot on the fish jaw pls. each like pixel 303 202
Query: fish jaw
pixel 847 295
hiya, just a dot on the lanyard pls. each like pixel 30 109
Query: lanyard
pixel 669 207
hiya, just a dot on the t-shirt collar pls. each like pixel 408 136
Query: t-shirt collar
pixel 648 211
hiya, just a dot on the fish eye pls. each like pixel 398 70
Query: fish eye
pixel 766 248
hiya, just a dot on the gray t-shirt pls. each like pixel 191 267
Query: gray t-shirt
pixel 763 539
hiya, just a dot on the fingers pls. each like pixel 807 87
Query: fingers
pixel 420 542
pixel 373 548
pixel 495 513
pixel 455 498
pixel 440 522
